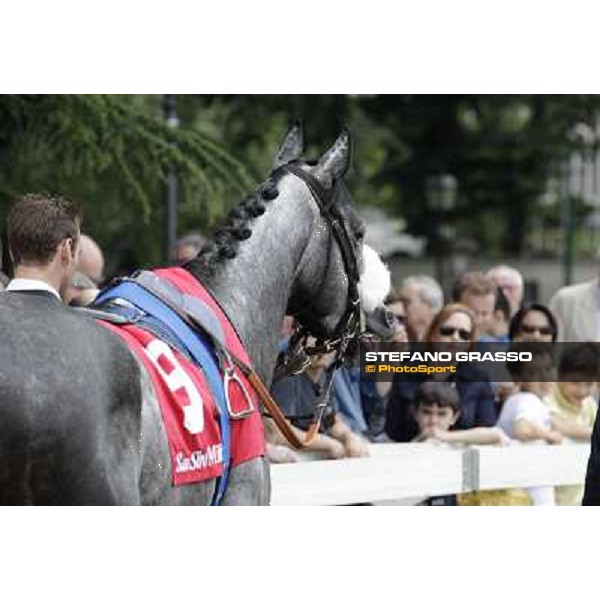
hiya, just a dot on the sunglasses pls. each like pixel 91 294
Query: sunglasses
pixel 532 329
pixel 450 331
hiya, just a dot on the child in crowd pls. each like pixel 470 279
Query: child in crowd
pixel 573 406
pixel 524 415
pixel 437 408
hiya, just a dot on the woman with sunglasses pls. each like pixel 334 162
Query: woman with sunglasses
pixel 452 328
pixel 454 323
pixel 533 323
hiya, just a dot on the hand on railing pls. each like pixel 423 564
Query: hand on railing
pixel 355 446
pixel 477 436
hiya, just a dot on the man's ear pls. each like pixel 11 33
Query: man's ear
pixel 66 249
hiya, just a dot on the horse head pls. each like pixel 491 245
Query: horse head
pixel 337 270
pixel 294 246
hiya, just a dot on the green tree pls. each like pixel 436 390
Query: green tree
pixel 112 154
pixel 502 149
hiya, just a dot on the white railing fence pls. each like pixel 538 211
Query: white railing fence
pixel 396 472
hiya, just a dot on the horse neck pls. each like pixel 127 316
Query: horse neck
pixel 254 287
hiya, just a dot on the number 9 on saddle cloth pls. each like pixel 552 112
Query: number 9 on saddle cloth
pixel 186 343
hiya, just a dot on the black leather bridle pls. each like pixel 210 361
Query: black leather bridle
pixel 349 325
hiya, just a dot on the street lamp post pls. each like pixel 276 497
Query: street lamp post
pixel 170 112
pixel 441 191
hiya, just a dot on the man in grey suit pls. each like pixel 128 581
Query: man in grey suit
pixel 577 310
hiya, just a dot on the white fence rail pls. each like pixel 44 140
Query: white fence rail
pixel 409 471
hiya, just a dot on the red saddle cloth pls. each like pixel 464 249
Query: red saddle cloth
pixel 189 412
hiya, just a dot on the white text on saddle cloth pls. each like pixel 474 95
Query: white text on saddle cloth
pixel 179 384
pixel 199 459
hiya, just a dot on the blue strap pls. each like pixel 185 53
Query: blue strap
pixel 135 316
pixel 202 354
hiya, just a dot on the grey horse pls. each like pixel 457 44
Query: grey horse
pixel 79 420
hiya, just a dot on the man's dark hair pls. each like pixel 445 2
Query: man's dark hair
pixel 475 283
pixel 580 362
pixel 38 223
pixel 437 393
pixel 502 304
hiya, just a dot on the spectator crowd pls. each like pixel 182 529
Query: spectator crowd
pixel 533 403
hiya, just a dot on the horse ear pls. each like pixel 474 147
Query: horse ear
pixel 334 163
pixel 292 146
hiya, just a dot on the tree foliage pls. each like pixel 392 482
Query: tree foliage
pixel 503 150
pixel 112 154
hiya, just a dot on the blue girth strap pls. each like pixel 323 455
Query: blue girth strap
pixel 203 355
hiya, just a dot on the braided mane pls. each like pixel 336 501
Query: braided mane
pixel 225 242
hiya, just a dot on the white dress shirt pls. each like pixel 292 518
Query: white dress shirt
pixel 29 285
